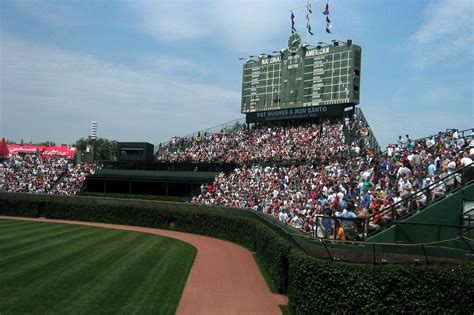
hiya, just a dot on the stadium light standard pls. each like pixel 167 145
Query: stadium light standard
pixel 272 54
pixel 336 42
pixel 307 46
pixel 247 59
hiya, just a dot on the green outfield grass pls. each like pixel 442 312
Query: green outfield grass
pixel 59 268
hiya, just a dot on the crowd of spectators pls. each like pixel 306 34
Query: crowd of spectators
pixel 306 142
pixel 73 179
pixel 34 173
pixel 359 188
pixel 307 175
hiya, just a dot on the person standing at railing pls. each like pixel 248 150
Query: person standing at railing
pixel 455 134
pixel 400 142
pixel 425 183
pixel 346 214
pixel 420 199
pixel 438 190
pixel 451 180
pixel 431 167
pixel 409 142
pixel 339 230
pixel 430 142
pixel 467 158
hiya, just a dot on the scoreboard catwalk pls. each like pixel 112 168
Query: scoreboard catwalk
pixel 301 80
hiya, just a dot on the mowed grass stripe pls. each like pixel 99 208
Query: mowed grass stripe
pixel 56 255
pixel 7 223
pixel 73 269
pixel 12 231
pixel 132 270
pixel 108 271
pixel 16 238
pixel 22 227
pixel 43 246
pixel 143 301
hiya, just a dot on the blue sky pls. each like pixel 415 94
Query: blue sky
pixel 149 70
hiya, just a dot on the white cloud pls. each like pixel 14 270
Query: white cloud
pixel 171 64
pixel 58 13
pixel 245 26
pixel 444 18
pixel 49 93
pixel 237 24
pixel 447 31
pixel 172 20
pixel 252 24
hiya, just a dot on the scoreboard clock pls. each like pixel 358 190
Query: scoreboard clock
pixel 294 42
pixel 302 76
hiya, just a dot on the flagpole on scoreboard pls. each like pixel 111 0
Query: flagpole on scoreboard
pixel 307 15
pixel 307 21
pixel 304 6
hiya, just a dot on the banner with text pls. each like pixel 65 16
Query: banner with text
pixel 295 113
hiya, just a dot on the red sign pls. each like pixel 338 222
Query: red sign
pixel 65 151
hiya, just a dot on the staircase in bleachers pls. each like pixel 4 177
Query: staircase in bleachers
pixel 359 131
pixel 443 212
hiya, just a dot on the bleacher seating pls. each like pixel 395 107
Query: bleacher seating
pixel 33 173
pixel 360 187
pixel 306 142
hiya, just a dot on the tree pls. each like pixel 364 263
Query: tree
pixel 46 143
pixel 104 149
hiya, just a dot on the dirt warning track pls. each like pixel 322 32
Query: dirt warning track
pixel 224 278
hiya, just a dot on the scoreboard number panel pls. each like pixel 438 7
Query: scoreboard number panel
pixel 302 77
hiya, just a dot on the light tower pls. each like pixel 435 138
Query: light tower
pixel 92 138
pixel 93 135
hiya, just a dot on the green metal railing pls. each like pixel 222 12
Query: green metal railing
pixel 409 205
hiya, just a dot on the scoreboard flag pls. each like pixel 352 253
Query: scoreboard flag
pixel 326 11
pixel 293 29
pixel 328 20
pixel 308 20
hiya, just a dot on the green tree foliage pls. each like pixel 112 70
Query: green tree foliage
pixel 46 143
pixel 104 149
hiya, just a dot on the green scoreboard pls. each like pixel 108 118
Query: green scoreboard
pixel 302 76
